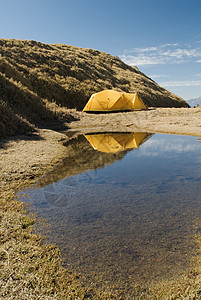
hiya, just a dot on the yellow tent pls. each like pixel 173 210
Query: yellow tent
pixel 109 100
pixel 114 142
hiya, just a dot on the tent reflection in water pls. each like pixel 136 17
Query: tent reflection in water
pixel 115 142
pixel 110 100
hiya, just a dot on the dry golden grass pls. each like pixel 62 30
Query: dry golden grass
pixel 37 83
pixel 33 74
pixel 69 75
pixel 22 109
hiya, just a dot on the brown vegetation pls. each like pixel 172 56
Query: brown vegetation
pixel 36 79
pixel 21 109
pixel 40 85
pixel 68 75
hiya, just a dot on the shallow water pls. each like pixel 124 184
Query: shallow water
pixel 124 213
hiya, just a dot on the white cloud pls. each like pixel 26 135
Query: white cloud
pixel 160 145
pixel 148 49
pixel 181 53
pixel 169 45
pixel 161 54
pixel 181 83
pixel 155 76
pixel 140 60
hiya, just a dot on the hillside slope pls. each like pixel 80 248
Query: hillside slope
pixel 36 79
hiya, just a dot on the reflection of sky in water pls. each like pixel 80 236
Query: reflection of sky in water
pixel 132 220
pixel 162 146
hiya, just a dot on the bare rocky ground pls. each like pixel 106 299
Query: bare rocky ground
pixel 27 156
pixel 185 121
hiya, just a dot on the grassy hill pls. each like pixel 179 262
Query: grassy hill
pixel 38 81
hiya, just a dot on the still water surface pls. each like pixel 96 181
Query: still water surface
pixel 122 207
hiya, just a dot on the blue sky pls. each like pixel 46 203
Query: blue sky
pixel 161 37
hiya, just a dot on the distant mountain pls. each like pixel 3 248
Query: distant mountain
pixel 194 102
